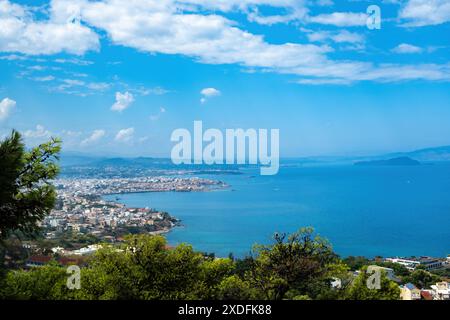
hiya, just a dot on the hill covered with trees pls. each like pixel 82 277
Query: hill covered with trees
pixel 299 266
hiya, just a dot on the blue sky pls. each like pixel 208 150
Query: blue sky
pixel 117 77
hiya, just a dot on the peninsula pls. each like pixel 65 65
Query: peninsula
pixel 400 161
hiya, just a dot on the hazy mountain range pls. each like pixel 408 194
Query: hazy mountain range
pixel 68 159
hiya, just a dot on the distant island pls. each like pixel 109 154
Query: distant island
pixel 400 161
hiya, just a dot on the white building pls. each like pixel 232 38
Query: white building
pixel 87 250
pixel 412 264
pixel 409 292
pixel 59 250
pixel 440 291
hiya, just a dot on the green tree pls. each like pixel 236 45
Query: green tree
pixel 26 194
pixel 298 267
pixel 243 265
pixel 421 278
pixel 235 288
pixel 339 280
pixel 399 270
pixel 360 290
pixel 144 268
pixel 42 283
pixel 296 264
pixel 356 263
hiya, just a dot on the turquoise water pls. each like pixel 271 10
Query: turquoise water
pixel 362 210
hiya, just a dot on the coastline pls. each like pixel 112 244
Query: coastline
pixel 224 222
pixel 83 207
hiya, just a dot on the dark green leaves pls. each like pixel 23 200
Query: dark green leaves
pixel 26 194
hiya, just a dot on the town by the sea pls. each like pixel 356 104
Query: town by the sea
pixel 361 210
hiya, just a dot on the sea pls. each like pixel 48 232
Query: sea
pixel 362 210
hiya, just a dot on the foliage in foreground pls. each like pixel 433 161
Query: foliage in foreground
pixel 300 267
pixel 26 195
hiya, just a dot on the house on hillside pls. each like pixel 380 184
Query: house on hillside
pixel 409 292
pixel 441 291
pixel 37 261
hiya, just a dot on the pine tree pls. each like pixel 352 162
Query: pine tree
pixel 26 192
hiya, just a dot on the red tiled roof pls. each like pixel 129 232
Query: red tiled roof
pixel 65 261
pixel 426 295
pixel 39 259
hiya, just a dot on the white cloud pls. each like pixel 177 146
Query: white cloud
pixel 44 78
pixel 80 87
pixel 123 101
pixel 407 48
pixel 78 62
pixel 342 36
pixel 94 137
pixel 98 86
pixel 294 13
pixel 156 91
pixel 324 81
pixel 324 2
pixel 229 5
pixel 340 19
pixel 13 57
pixel 141 90
pixel 71 134
pixel 78 74
pixel 161 26
pixel 209 93
pixel 364 71
pixel 74 82
pixel 346 36
pixel 184 27
pixel 125 135
pixel 21 32
pixel 37 68
pixel 39 132
pixel 6 105
pixel 417 13
pixel 293 9
pixel 318 36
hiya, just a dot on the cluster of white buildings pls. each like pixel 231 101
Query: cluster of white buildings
pixel 78 186
pixel 92 215
pixel 85 251
pixel 427 262
pixel 80 209
pixel 438 291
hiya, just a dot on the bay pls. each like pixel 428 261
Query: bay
pixel 368 211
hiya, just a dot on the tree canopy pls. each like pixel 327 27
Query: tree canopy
pixel 26 194
pixel 300 266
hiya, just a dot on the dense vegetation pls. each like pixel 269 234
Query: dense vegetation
pixel 26 195
pixel 301 266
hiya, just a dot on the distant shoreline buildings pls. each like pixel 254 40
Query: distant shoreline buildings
pixel 428 263
pixel 81 209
